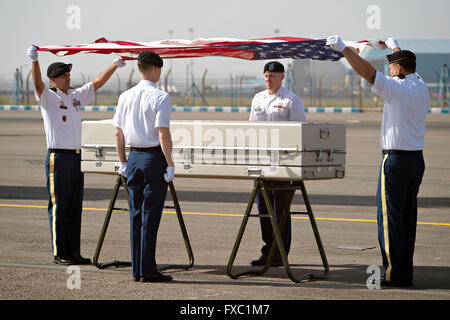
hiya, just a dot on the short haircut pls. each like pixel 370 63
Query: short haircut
pixel 408 65
pixel 144 67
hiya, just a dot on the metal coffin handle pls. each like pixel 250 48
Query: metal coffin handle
pixel 254 171
pixel 324 133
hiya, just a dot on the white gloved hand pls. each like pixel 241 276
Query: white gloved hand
pixel 391 43
pixel 170 174
pixel 123 169
pixel 119 62
pixel 335 43
pixel 378 44
pixel 32 53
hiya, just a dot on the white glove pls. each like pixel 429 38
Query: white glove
pixel 123 169
pixel 119 62
pixel 335 43
pixel 378 44
pixel 391 43
pixel 170 174
pixel 32 53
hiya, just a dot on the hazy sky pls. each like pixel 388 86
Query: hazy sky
pixel 57 22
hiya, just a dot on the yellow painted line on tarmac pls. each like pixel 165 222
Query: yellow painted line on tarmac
pixel 342 219
pixel 209 214
pixel 20 206
pixel 231 215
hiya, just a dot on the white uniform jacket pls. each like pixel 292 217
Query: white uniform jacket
pixel 282 106
pixel 62 115
pixel 140 111
pixel 406 103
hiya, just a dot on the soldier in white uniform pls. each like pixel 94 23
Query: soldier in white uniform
pixel 61 110
pixel 406 102
pixel 142 120
pixel 275 104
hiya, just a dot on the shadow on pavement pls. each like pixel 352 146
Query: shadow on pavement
pixel 347 276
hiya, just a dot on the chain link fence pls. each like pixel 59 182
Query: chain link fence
pixel 319 91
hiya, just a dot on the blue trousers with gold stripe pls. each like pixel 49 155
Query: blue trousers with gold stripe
pixel 147 191
pixel 399 182
pixel 65 183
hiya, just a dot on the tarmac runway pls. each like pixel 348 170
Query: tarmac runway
pixel 345 212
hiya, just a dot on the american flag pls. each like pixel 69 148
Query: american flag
pixel 253 49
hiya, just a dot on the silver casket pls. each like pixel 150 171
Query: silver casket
pixel 284 150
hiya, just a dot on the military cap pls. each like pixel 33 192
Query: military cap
pixel 58 69
pixel 149 57
pixel 273 66
pixel 401 55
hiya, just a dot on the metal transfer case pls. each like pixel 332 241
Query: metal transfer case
pixel 279 150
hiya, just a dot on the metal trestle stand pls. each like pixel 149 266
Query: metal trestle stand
pixel 260 185
pixel 121 182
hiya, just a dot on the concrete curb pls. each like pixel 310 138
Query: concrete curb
pixel 220 109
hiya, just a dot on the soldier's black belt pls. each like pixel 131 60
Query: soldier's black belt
pixel 402 152
pixel 74 151
pixel 144 149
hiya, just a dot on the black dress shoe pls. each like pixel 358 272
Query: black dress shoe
pixel 79 259
pixel 391 284
pixel 136 278
pixel 261 261
pixel 156 277
pixel 63 260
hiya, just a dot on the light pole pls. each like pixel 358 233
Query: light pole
pixel 170 31
pixel 190 88
pixel 118 81
pixel 191 30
